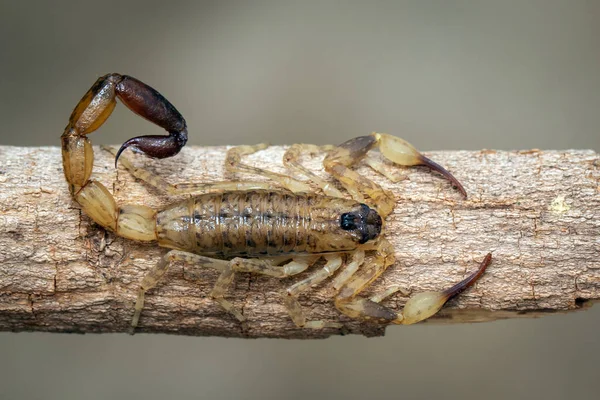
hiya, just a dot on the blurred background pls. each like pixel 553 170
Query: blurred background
pixel 442 74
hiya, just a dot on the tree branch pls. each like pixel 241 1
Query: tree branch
pixel 537 211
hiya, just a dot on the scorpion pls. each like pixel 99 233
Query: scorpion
pixel 245 226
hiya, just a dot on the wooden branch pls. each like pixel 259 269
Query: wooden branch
pixel 537 211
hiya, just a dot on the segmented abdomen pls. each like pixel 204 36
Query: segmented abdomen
pixel 248 223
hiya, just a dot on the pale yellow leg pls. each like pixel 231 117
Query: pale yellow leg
pixel 358 258
pixel 223 282
pixel 155 274
pixel 187 187
pixel 291 159
pixel 379 297
pixel 381 167
pixel 218 292
pixel 297 265
pixel 334 262
pixel 347 300
pixel 384 257
pixel 257 266
pixel 266 267
pixel 150 281
pixel 234 164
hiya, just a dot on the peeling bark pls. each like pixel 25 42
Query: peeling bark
pixel 537 211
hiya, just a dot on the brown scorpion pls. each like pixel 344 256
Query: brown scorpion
pixel 240 226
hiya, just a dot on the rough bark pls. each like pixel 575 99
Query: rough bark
pixel 537 211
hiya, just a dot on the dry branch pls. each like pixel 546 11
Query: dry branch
pixel 537 211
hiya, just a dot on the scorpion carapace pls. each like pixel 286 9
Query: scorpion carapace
pixel 239 226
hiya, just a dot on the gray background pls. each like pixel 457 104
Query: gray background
pixel 442 74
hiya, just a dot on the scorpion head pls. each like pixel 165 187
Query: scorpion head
pixel 364 221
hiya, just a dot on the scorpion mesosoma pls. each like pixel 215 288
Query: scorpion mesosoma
pixel 240 226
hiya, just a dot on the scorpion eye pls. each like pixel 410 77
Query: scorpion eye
pixel 365 221
pixel 347 221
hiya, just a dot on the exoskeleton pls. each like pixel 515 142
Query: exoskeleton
pixel 241 226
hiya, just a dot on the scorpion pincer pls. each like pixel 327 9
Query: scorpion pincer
pixel 241 226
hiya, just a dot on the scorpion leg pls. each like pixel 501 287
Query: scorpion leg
pixel 291 160
pixel 228 270
pixel 358 258
pixel 150 281
pixel 339 161
pixel 379 297
pixel 183 188
pixel 297 265
pixel 375 163
pixel 266 267
pixel 357 307
pixel 218 292
pixel 223 282
pixel 233 163
pixel 334 262
pixel 257 266
pixel 158 271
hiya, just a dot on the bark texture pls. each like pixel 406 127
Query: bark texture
pixel 537 211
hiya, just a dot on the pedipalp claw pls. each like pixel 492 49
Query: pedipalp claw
pixel 401 152
pixel 423 305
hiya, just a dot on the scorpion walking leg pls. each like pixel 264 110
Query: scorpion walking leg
pixel 155 274
pixel 150 281
pixel 357 307
pixel 291 160
pixel 183 188
pixel 339 161
pixel 297 265
pixel 349 270
pixel 379 297
pixel 266 267
pixel 376 164
pixel 218 292
pixel 233 163
pixel 229 268
pixel 334 262
pixel 358 258
pixel 223 282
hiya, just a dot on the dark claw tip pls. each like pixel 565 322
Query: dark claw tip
pixel 471 279
pixel 438 168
